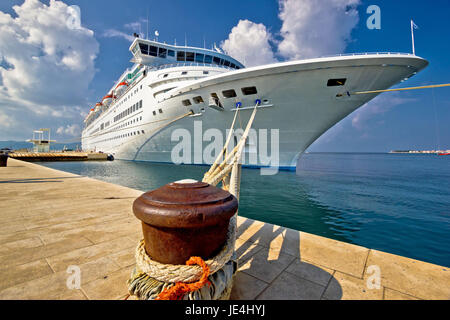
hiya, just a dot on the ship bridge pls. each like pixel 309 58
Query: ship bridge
pixel 157 54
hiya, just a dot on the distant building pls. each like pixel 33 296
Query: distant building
pixel 40 144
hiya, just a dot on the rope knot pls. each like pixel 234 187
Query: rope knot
pixel 178 291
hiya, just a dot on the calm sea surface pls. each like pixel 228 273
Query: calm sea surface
pixel 391 202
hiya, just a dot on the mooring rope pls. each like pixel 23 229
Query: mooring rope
pixel 392 90
pixel 221 170
pixel 178 291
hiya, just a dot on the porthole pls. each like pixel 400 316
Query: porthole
pixel 186 102
pixel 229 93
pixel 336 82
pixel 198 99
pixel 249 90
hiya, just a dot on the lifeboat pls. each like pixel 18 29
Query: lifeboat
pixel 98 106
pixel 91 112
pixel 107 100
pixel 121 87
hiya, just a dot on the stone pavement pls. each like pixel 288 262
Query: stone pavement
pixel 50 220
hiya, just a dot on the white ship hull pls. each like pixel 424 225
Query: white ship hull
pixel 295 99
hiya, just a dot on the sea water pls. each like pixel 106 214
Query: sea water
pixel 397 203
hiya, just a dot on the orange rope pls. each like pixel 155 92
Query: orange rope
pixel 178 291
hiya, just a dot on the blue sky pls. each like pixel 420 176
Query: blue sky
pixel 407 120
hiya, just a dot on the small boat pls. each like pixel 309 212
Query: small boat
pixel 121 88
pixel 106 101
pixel 444 154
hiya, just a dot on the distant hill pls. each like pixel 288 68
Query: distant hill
pixel 15 145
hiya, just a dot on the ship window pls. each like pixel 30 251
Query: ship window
pixel 229 93
pixel 186 102
pixel 171 53
pixel 162 52
pixel 198 99
pixel 233 65
pixel 153 51
pixel 199 57
pixel 189 56
pixel 216 60
pixel 144 48
pixel 237 67
pixel 336 82
pixel 249 90
pixel 154 113
pixel 180 55
pixel 160 110
pixel 205 72
pixel 140 104
pixel 165 76
pixel 184 72
pixel 208 59
pixel 226 63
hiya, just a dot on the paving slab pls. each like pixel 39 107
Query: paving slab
pixel 52 221
pixel 416 278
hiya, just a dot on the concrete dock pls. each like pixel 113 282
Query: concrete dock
pixel 50 220
pixel 58 156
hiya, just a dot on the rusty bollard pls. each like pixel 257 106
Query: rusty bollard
pixel 3 159
pixel 184 219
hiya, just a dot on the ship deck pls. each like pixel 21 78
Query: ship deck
pixel 51 220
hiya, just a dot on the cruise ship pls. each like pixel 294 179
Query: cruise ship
pixel 172 87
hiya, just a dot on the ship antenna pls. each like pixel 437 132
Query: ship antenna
pixel 185 40
pixel 413 26
pixel 147 22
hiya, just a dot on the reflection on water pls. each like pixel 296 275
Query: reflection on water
pixel 390 202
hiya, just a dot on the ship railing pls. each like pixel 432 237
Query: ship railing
pixel 367 54
pixel 188 64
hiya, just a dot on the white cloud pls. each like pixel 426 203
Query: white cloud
pixel 249 43
pixel 311 30
pixel 379 105
pixel 135 27
pixel 71 130
pixel 6 120
pixel 113 33
pixel 47 61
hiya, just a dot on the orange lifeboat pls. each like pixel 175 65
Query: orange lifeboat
pixel 121 87
pixel 91 112
pixel 107 100
pixel 98 106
